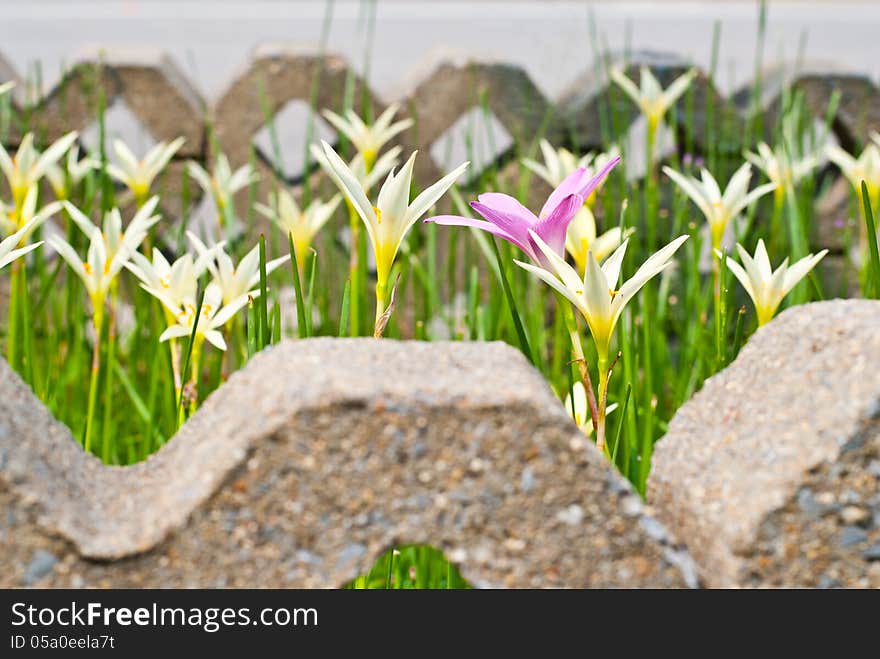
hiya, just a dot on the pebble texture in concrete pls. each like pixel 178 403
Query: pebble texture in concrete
pixel 771 473
pixel 315 459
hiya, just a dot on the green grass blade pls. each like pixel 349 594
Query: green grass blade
pixel 872 284
pixel 301 328
pixel 343 313
pixel 511 305
pixel 263 301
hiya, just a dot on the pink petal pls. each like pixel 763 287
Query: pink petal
pixel 552 229
pixel 506 204
pixel 572 184
pixel 594 182
pixel 489 227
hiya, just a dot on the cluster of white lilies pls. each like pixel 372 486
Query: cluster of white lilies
pixel 566 225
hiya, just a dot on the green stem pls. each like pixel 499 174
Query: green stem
pixel 98 320
pixel 651 198
pixel 108 380
pixel 776 221
pixel 602 403
pixel 12 330
pixel 381 295
pixel 194 372
pixel 579 358
pixel 354 270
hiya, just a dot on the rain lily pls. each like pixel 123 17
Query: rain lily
pixel 764 285
pixel 653 101
pixel 720 209
pixel 389 220
pixel 114 239
pixel 8 251
pixel 367 178
pixel 223 183
pixel 579 410
pixel 386 162
pixel 6 86
pixel 581 238
pixel 27 167
pixel 780 168
pixel 97 272
pixel 599 300
pixel 14 220
pixel 234 281
pixel 558 163
pixel 173 284
pixel 596 295
pixel 213 316
pixel 506 218
pixel 301 224
pixel 368 139
pixel 138 175
pixel 65 180
pixel 864 168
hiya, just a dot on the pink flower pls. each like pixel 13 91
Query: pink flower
pixel 506 218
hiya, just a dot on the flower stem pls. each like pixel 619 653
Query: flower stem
pixel 194 374
pixel 381 296
pixel 604 372
pixel 98 321
pixel 651 198
pixel 354 272
pixel 580 360
pixel 776 221
pixel 108 380
pixel 12 322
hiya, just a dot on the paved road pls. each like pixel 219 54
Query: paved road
pixel 211 39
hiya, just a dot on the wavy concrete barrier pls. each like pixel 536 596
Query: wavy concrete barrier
pixel 771 473
pixel 315 459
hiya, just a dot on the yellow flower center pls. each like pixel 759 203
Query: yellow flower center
pixel 378 213
pixel 88 268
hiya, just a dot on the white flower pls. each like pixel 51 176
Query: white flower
pixel 596 296
pixel 864 168
pixel 780 168
pixel 63 181
pixel 368 139
pixel 6 86
pixel 223 183
pixel 234 281
pixel 386 162
pixel 173 284
pixel 301 224
pixel 138 175
pixel 13 220
pixel 389 220
pixel 720 209
pixel 579 410
pixel 213 316
pixel 558 163
pixel 98 271
pixel 8 251
pixel 581 238
pixel 27 167
pixel 767 287
pixel 114 239
pixel 652 99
